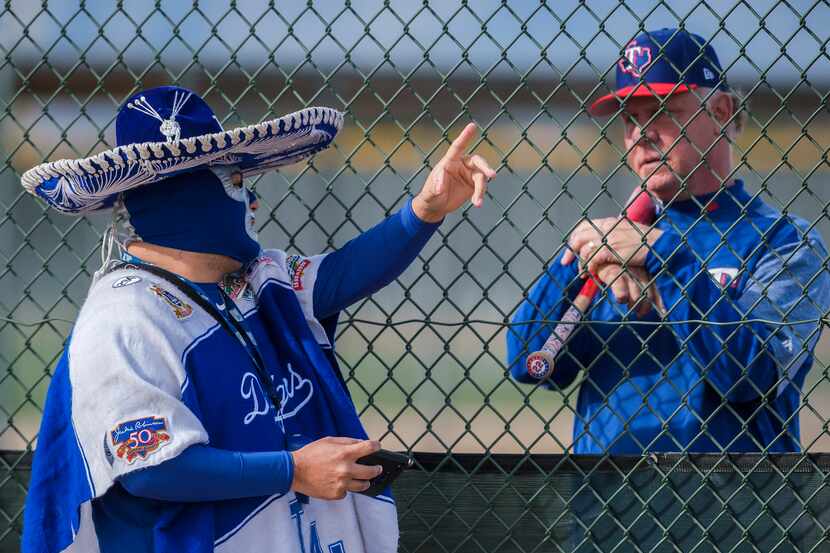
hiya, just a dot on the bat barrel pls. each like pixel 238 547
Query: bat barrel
pixel 539 364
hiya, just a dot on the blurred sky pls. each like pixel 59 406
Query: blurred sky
pixel 783 39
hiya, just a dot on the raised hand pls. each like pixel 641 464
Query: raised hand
pixel 454 180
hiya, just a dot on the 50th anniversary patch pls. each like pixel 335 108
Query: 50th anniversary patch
pixel 139 438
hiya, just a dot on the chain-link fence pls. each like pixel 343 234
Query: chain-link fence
pixel 425 358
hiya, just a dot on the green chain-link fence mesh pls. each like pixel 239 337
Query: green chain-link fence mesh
pixel 425 357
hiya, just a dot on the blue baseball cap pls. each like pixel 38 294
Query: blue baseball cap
pixel 660 63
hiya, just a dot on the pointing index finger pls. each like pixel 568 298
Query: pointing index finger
pixel 456 149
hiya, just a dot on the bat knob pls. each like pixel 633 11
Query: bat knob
pixel 539 364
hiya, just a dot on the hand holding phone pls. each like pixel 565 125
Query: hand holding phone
pixel 328 468
pixel 393 465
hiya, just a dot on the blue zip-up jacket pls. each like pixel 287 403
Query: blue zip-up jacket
pixel 722 371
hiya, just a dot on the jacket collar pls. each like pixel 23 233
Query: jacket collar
pixel 728 200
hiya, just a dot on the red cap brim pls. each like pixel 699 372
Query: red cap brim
pixel 610 103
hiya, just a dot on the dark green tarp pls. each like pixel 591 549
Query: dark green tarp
pixel 659 503
pixel 541 503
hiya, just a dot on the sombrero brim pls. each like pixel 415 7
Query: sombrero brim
pixel 83 185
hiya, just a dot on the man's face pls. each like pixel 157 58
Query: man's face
pixel 652 132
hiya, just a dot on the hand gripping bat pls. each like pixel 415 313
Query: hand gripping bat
pixel 540 364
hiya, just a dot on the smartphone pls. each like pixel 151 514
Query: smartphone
pixel 393 465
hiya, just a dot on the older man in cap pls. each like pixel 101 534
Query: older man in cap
pixel 737 288
pixel 198 405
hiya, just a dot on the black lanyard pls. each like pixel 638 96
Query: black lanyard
pixel 232 323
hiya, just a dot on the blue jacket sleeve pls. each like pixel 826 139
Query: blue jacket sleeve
pixel 370 261
pixel 744 360
pixel 548 300
pixel 203 473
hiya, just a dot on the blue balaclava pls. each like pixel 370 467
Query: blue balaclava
pixel 201 212
pixel 206 210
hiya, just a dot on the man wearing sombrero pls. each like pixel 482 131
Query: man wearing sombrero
pixel 743 287
pixel 198 405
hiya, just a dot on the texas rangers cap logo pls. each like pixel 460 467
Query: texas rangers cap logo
pixel 636 60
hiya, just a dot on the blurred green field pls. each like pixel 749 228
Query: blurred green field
pixel 426 387
pixel 460 401
pixel 474 408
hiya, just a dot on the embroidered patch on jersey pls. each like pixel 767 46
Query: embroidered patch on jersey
pixel 181 309
pixel 126 281
pixel 725 277
pixel 139 438
pixel 237 287
pixel 296 266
